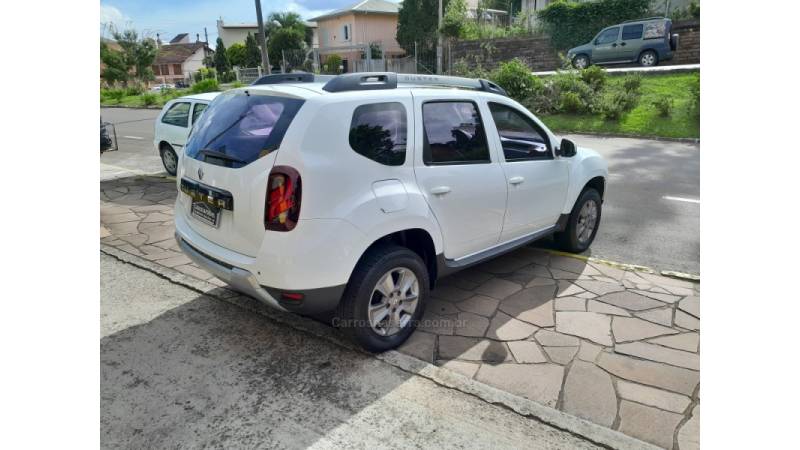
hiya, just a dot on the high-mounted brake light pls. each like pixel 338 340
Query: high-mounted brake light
pixel 282 209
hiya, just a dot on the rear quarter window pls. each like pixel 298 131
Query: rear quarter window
pixel 240 127
pixel 632 32
pixel 379 131
pixel 655 30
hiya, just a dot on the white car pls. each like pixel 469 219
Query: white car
pixel 355 195
pixel 162 87
pixel 173 125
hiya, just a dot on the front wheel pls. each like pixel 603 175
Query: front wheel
pixel 580 62
pixel 648 58
pixel 385 298
pixel 170 159
pixel 583 222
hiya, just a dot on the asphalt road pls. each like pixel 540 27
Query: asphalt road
pixel 180 370
pixel 651 215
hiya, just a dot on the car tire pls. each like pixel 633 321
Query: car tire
pixel 576 238
pixel 580 61
pixel 362 296
pixel 169 158
pixel 648 58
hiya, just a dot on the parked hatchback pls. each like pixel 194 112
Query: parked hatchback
pixel 646 41
pixel 173 125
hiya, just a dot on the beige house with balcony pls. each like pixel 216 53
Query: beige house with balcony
pixel 179 59
pixel 347 32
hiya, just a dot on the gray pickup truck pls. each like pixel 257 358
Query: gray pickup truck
pixel 646 41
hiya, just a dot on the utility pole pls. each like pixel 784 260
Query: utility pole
pixel 439 41
pixel 262 41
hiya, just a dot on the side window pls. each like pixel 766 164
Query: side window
pixel 178 115
pixel 632 32
pixel 454 134
pixel 198 110
pixel 655 30
pixel 521 138
pixel 608 36
pixel 379 131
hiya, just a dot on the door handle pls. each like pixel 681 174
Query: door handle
pixel 623 44
pixel 614 44
pixel 440 190
pixel 516 180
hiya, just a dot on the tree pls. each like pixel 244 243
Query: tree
pixel 283 20
pixel 417 22
pixel 252 57
pixel 285 39
pixel 455 17
pixel 221 62
pixel 237 54
pixel 116 67
pixel 138 53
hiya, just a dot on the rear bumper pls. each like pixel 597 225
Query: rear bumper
pixel 239 279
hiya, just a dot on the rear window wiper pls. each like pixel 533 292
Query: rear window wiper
pixel 220 155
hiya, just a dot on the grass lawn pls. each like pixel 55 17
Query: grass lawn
pixel 644 119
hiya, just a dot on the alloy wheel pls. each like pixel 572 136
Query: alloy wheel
pixel 394 301
pixel 587 221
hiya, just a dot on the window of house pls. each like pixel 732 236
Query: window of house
pixel 177 114
pixel 454 134
pixel 164 69
pixel 346 32
pixel 608 36
pixel 632 32
pixel 176 69
pixel 156 70
pixel 522 139
pixel 379 131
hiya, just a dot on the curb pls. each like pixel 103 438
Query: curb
pixel 633 267
pixel 130 107
pixel 597 434
pixel 633 136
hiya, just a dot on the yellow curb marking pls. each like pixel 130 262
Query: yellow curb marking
pixel 623 266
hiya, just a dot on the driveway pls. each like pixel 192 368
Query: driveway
pixel 182 370
pixel 615 347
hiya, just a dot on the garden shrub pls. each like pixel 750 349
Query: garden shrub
pixel 133 90
pixel 571 102
pixel 516 78
pixel 632 83
pixel 149 98
pixel 574 23
pixel 332 65
pixel 462 69
pixel 615 103
pixel 694 102
pixel 115 94
pixel 207 85
pixel 663 104
pixel 595 77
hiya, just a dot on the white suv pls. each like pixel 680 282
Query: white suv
pixel 353 194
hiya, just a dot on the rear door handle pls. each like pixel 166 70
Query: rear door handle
pixel 516 180
pixel 623 44
pixel 440 190
pixel 614 44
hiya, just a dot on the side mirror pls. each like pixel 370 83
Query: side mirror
pixel 567 148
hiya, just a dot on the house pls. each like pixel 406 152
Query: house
pixel 179 59
pixel 347 32
pixel 237 33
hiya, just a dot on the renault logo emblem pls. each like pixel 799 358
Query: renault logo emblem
pixel 200 173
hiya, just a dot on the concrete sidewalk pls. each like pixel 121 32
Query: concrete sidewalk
pixel 650 70
pixel 616 347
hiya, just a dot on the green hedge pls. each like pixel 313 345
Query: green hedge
pixel 571 24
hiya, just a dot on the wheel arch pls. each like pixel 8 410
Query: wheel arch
pixel 418 240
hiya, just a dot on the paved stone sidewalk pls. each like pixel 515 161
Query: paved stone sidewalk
pixel 616 347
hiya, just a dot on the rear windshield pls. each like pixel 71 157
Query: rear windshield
pixel 239 127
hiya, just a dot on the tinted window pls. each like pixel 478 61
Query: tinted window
pixel 454 134
pixel 655 30
pixel 177 114
pixel 198 109
pixel 379 132
pixel 239 127
pixel 521 138
pixel 632 32
pixel 608 36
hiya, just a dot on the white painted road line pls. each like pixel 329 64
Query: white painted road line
pixel 681 199
pixel 133 137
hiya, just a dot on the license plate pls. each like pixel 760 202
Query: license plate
pixel 206 213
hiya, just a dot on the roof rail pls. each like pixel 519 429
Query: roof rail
pixel 297 77
pixel 389 80
pixel 643 20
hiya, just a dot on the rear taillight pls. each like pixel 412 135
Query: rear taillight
pixel 282 209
